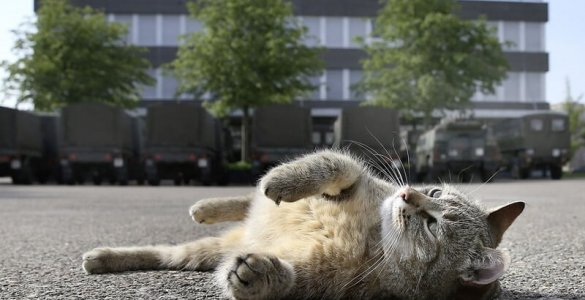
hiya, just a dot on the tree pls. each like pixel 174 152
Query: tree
pixel 424 58
pixel 576 114
pixel 75 55
pixel 251 53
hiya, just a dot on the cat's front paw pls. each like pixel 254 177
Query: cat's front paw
pixel 282 187
pixel 258 276
pixel 203 212
pixel 96 261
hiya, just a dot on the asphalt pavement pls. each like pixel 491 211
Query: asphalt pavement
pixel 45 229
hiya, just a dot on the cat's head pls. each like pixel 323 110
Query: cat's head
pixel 443 239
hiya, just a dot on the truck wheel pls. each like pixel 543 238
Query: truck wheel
pixel 178 179
pixel 525 173
pixel 122 176
pixel 154 181
pixel 97 179
pixel 24 174
pixel 556 172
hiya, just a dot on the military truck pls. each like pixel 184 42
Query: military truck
pixel 97 142
pixel 21 147
pixel 536 141
pixel 457 149
pixel 279 132
pixel 374 134
pixel 49 167
pixel 183 142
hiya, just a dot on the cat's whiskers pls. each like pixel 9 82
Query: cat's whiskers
pixel 381 165
pixel 389 241
pixel 403 180
pixel 488 180
pixel 382 161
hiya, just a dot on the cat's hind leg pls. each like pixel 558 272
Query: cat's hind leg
pixel 216 210
pixel 201 255
pixel 255 276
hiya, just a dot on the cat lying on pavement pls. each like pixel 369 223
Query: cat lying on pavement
pixel 324 227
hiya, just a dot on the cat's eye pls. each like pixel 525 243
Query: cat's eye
pixel 435 193
pixel 432 225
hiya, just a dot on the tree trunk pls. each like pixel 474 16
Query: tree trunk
pixel 245 144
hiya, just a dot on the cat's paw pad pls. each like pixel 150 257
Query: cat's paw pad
pixel 203 213
pixel 255 276
pixel 95 261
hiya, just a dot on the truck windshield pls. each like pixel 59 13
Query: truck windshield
pixel 465 146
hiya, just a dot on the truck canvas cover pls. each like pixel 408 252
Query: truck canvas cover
pixel 177 125
pixel 282 126
pixel 376 127
pixel 19 132
pixel 95 125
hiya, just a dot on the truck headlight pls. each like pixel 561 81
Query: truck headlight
pixel 556 152
pixel 479 151
pixel 202 163
pixel 15 164
pixel 118 162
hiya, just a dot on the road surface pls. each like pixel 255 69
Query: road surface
pixel 45 229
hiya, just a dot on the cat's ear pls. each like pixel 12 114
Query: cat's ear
pixel 488 269
pixel 502 217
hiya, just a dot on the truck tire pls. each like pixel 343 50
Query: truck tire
pixel 525 172
pixel 178 179
pixel 556 172
pixel 154 180
pixel 121 175
pixel 24 175
pixel 97 179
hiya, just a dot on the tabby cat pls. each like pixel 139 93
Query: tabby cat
pixel 325 227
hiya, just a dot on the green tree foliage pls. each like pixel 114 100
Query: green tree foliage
pixel 250 53
pixel 74 55
pixel 576 113
pixel 424 58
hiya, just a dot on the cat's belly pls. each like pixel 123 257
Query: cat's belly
pixel 310 228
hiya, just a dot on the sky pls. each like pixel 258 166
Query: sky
pixel 565 42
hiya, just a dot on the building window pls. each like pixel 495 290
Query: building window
pixel 534 87
pixel 171 29
pixel 313 25
pixel 512 87
pixel 169 86
pixel 512 34
pixel 149 91
pixel 316 92
pixel 357 28
pixel 534 36
pixel 193 25
pixel 334 32
pixel 355 76
pixel 127 21
pixel 334 84
pixel 147 30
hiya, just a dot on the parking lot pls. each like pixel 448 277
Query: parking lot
pixel 45 229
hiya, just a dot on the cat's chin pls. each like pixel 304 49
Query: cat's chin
pixel 389 212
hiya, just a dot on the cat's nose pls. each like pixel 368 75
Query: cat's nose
pixel 410 196
pixel 404 195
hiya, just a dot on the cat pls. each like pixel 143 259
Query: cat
pixel 324 226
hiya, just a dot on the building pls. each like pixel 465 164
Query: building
pixel 157 24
